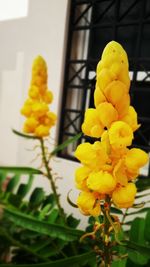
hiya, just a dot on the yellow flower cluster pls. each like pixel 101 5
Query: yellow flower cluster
pixel 39 119
pixel 108 166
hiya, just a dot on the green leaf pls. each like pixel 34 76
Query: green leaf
pixel 142 195
pixel 13 199
pixel 72 222
pixel 131 246
pixel 25 135
pixel 44 211
pixel 19 170
pixel 2 179
pixel 115 210
pixel 147 227
pixel 137 236
pixel 138 211
pixel 66 143
pixel 143 183
pixel 130 263
pixel 53 248
pixel 25 188
pixel 53 216
pixel 46 228
pixel 119 263
pixel 37 197
pixel 50 199
pixel 13 183
pixel 81 259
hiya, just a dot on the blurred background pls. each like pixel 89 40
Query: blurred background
pixel 70 35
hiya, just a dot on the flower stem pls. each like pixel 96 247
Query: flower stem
pixel 49 175
pixel 107 252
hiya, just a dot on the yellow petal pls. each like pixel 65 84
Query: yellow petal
pixel 92 155
pixel 88 204
pixel 98 96
pixel 123 197
pixel 105 142
pixel 120 174
pixel 101 182
pixel 131 119
pixel 39 109
pixel 112 48
pixel 34 92
pixel 47 97
pixel 135 159
pixel 81 176
pixel 115 92
pixel 107 114
pixel 30 125
pixel 120 135
pixel 104 77
pixel 42 131
pixel 86 154
pixel 91 125
pixel 123 106
pixel 124 77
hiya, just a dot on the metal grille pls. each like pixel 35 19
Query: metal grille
pixel 92 25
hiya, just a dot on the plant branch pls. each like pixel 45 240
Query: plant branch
pixel 106 241
pixel 49 175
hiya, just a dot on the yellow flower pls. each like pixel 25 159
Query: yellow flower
pixel 34 92
pixel 115 93
pixel 131 118
pixel 124 77
pixel 30 125
pixel 27 108
pixel 135 159
pixel 93 156
pixel 104 77
pixel 99 97
pixel 42 131
pixel 120 135
pixel 50 119
pixel 113 48
pixel 107 114
pixel 123 106
pixel 114 59
pixel 88 204
pixel 123 197
pixel 81 176
pixel 120 174
pixel 47 97
pixel 39 109
pixel 91 125
pixel 39 69
pixel 37 105
pixel 101 182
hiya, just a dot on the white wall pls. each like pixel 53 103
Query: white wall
pixel 43 32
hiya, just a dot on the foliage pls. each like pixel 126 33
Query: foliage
pixel 31 227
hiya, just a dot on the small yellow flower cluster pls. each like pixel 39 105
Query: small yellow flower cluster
pixel 109 167
pixel 39 118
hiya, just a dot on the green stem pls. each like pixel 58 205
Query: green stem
pixel 124 216
pixel 107 252
pixel 49 175
pixel 61 211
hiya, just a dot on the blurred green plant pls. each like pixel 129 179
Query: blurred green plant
pixel 32 228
